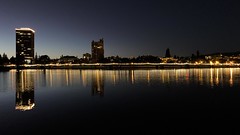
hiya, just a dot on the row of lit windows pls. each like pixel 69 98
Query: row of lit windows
pixel 19 41
pixel 19 33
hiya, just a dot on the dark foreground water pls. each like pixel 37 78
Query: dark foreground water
pixel 147 102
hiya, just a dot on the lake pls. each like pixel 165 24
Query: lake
pixel 164 101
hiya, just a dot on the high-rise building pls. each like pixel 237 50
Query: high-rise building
pixel 24 45
pixel 98 51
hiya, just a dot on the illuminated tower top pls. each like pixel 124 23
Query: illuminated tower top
pixel 25 29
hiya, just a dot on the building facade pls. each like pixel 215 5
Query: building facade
pixel 24 46
pixel 97 51
pixel 86 57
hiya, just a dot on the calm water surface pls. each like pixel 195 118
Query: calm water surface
pixel 120 101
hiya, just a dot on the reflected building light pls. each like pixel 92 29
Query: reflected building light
pixel 132 76
pixel 114 78
pixel 148 77
pixel 44 78
pixel 84 78
pixel 187 76
pixel 201 77
pixel 217 79
pixel 207 80
pixel 176 75
pixel 98 80
pixel 24 91
pixel 168 77
pixel 158 74
pixel 163 75
pixel 211 77
pixel 51 78
pixel 194 75
pixel 221 77
pixel 13 79
pixel 66 77
pixel 25 107
pixel 70 76
pixel 97 83
pixel 231 77
pixel 126 75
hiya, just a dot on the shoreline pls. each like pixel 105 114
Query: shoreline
pixel 116 66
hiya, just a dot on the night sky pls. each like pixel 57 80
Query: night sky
pixel 129 27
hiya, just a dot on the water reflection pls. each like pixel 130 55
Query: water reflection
pixel 24 91
pixel 96 80
pixel 131 76
pixel 214 77
pixel 97 83
pixel 231 77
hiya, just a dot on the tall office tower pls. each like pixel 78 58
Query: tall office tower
pixel 24 46
pixel 97 51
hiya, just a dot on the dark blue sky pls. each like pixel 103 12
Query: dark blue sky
pixel 129 27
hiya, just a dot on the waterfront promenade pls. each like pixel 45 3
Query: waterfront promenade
pixel 118 66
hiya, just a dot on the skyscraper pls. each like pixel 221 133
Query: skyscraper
pixel 24 45
pixel 97 51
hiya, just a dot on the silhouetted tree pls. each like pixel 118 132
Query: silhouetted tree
pixel 44 59
pixel 1 60
pixel 13 60
pixel 5 59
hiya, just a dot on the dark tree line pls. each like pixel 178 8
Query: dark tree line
pixel 4 60
pixel 139 59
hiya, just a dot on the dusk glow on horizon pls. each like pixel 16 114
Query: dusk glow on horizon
pixel 129 28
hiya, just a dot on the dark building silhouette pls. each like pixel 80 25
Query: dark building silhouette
pixel 167 55
pixel 97 51
pixel 24 91
pixel 86 57
pixel 24 45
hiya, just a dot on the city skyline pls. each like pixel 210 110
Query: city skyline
pixel 129 28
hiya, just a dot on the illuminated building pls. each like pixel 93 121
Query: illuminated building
pixel 97 51
pixel 24 45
